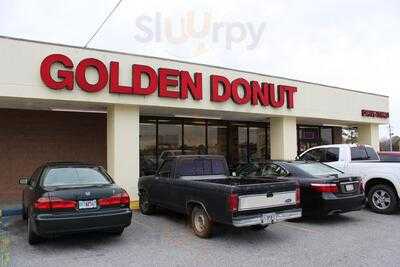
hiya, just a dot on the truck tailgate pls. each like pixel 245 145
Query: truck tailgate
pixel 273 195
pixel 267 200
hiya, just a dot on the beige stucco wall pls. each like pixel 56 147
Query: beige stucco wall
pixel 123 146
pixel 369 134
pixel 283 138
pixel 20 63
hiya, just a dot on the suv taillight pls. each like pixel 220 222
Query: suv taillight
pixel 53 203
pixel 324 188
pixel 233 202
pixel 115 200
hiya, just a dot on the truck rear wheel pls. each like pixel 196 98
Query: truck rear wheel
pixel 145 206
pixel 382 199
pixel 201 223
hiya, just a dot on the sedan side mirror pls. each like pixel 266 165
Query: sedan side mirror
pixel 297 158
pixel 23 181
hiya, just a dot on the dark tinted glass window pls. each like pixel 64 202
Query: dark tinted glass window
pixel 207 167
pixel 372 155
pixel 73 176
pixel 314 155
pixel 332 154
pixel 35 177
pixel 358 153
pixel 198 167
pixel 165 169
pixel 191 167
pixel 218 167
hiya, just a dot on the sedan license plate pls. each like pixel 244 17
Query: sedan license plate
pixel 349 187
pixel 87 204
pixel 268 218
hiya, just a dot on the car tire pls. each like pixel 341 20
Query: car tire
pixel 382 199
pixel 33 238
pixel 201 223
pixel 258 227
pixel 145 206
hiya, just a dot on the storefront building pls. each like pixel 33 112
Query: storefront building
pixel 128 112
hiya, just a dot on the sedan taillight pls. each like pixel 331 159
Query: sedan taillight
pixel 115 200
pixel 53 203
pixel 324 188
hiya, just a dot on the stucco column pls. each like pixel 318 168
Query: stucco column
pixel 368 134
pixel 283 138
pixel 123 148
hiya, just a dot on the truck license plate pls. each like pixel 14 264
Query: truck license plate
pixel 268 218
pixel 87 204
pixel 349 187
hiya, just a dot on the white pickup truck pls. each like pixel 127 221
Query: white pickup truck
pixel 381 180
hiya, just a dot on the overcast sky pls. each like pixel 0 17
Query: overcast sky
pixel 352 44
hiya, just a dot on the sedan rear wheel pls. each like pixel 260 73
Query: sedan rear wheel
pixel 201 223
pixel 382 199
pixel 33 238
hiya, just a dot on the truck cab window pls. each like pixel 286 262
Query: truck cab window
pixel 165 169
pixel 371 153
pixel 358 153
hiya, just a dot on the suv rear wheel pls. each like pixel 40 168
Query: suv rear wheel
pixel 382 199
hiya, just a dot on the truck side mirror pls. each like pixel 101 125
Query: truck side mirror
pixel 23 181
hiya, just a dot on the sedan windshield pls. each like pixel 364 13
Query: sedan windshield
pixel 74 176
pixel 318 169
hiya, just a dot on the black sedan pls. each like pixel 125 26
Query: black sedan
pixel 324 190
pixel 73 197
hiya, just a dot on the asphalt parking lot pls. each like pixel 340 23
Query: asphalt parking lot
pixel 355 239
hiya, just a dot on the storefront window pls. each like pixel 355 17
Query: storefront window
pixel 237 145
pixel 240 142
pixel 217 139
pixel 195 139
pixel 308 136
pixel 148 156
pixel 326 136
pixel 311 136
pixel 169 139
pixel 257 144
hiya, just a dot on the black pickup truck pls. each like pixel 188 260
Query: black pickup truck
pixel 200 186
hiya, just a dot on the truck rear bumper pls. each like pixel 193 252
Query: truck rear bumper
pixel 266 218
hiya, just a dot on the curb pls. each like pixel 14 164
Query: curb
pixel 134 205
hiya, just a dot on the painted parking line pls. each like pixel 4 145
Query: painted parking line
pixel 292 226
pixel 5 245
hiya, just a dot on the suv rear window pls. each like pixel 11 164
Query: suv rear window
pixel 74 176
